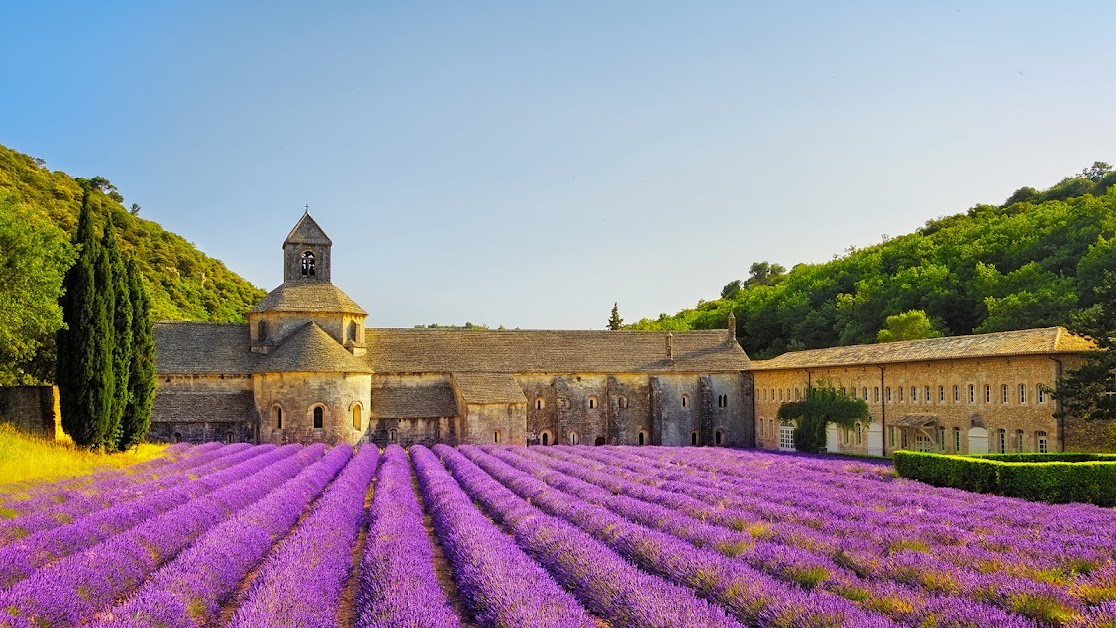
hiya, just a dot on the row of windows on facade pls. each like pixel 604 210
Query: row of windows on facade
pixel 263 331
pixel 593 403
pixel 319 417
pixel 641 439
pixel 1021 394
pixel 1005 442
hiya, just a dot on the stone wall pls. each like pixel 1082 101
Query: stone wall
pixel 496 423
pixel 32 409
pixel 941 390
pixel 199 414
pixel 202 432
pixel 298 394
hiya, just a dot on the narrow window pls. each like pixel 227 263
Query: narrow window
pixel 719 437
pixel 642 438
pixel 900 394
pixel 926 397
pixel 1002 433
pixel 914 394
pixel 177 437
pixel 972 393
pixel 941 394
pixel 987 393
pixel 308 264
pixel 941 438
pixel 356 417
pixel 437 435
pixel 693 438
pixel 685 401
pixel 545 439
pixel 859 434
pixel 887 392
pixel 319 417
pixel 864 393
pixel 496 436
pixel 798 394
pixel 1019 440
pixel 393 436
pixel 353 331
pixel 771 427
pixel 621 402
pixel 956 393
pixel 876 394
pixel 1040 442
pixel 956 440
pixel 539 403
pixel 573 438
pixel 891 436
pixel 1022 393
pixel 1041 394
pixel 278 418
pixel 261 330
pixel 228 438
pixel 592 402
pixel 1003 393
pixel 780 394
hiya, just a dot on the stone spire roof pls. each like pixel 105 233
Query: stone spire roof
pixel 307 231
pixel 311 350
pixel 308 297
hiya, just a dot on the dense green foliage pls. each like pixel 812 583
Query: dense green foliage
pixel 912 325
pixel 38 216
pixel 1089 391
pixel 117 291
pixel 1061 480
pixel 136 419
pixel 85 377
pixel 614 320
pixel 1031 262
pixel 822 404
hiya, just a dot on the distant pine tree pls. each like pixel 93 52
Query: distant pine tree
pixel 121 333
pixel 614 321
pixel 141 372
pixel 84 357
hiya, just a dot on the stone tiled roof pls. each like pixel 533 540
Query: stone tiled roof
pixel 203 406
pixel 413 402
pixel 488 388
pixel 203 348
pixel 308 296
pixel 546 351
pixel 310 350
pixel 1042 341
pixel 307 231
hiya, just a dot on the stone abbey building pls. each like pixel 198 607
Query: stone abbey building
pixel 305 368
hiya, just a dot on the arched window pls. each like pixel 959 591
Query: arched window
pixel 496 436
pixel 1022 393
pixel 308 264
pixel 621 402
pixel 356 417
pixel 228 438
pixel 261 330
pixel 177 437
pixel 437 435
pixel 1001 445
pixel 319 417
pixel 719 437
pixel 393 436
pixel 859 435
pixel 685 401
pixel 353 331
pixel 693 438
pixel 642 438
pixel 573 438
pixel 545 438
pixel 592 402
pixel 277 410
pixel 539 403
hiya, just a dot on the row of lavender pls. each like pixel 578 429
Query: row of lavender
pixel 843 533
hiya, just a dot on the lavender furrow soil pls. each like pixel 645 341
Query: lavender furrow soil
pixel 190 590
pixel 607 584
pixel 22 557
pixel 300 583
pixel 76 587
pixel 398 586
pixel 502 585
pixel 98 496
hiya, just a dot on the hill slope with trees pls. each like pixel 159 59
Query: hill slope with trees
pixel 1033 261
pixel 38 218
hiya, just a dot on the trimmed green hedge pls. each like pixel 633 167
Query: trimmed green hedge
pixel 1055 478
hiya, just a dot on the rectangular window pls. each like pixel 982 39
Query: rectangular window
pixel 891 436
pixel 914 394
pixel 1019 440
pixel 1022 393
pixel 972 393
pixel 864 391
pixel 941 438
pixel 1003 393
pixel 987 393
pixel 771 427
pixel 877 393
pixel 956 440
pixel 1041 445
pixel 941 394
pixel 888 393
pixel 780 394
pixel 922 443
pixel 926 397
pixel 956 393
pixel 1002 444
pixel 1041 394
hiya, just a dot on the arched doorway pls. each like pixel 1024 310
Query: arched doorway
pixel 600 440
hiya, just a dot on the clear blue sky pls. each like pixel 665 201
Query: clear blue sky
pixel 529 163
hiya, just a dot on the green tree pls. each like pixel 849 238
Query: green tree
pixel 84 372
pixel 910 325
pixel 614 321
pixel 823 404
pixel 1089 391
pixel 136 419
pixel 118 288
pixel 765 273
pixel 1096 172
pixel 732 289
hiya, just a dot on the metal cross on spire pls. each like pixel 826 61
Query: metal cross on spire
pixel 306 208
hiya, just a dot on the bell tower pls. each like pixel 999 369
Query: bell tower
pixel 306 253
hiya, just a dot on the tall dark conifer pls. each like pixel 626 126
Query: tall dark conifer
pixel 84 361
pixel 141 372
pixel 121 332
pixel 104 306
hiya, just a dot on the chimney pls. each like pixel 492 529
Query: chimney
pixel 670 346
pixel 731 328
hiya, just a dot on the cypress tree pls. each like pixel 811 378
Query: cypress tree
pixel 84 366
pixel 104 332
pixel 141 372
pixel 121 333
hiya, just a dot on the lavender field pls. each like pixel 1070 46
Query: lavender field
pixel 244 535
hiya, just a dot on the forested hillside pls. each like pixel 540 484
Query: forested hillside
pixel 1030 262
pixel 38 216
